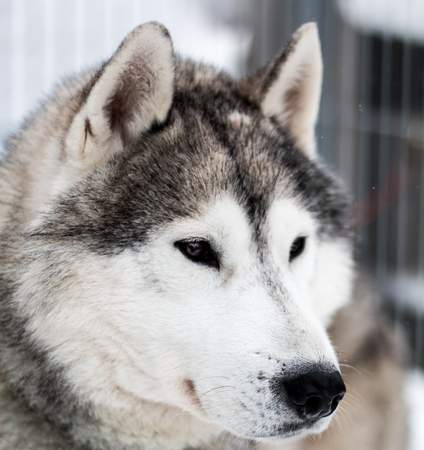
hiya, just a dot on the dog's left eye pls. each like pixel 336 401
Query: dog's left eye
pixel 199 251
pixel 297 247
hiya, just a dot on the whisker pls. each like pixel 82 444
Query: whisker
pixel 215 389
pixel 349 366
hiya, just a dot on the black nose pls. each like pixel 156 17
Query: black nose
pixel 315 394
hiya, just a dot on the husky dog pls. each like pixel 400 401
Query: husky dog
pixel 171 253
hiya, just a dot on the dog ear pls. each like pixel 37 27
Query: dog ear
pixel 132 92
pixel 289 88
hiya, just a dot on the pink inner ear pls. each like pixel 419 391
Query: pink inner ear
pixel 134 89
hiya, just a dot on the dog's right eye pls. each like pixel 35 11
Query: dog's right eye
pixel 297 247
pixel 199 251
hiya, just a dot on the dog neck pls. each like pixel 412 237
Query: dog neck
pixel 146 425
pixel 149 426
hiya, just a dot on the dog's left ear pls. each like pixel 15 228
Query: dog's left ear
pixel 289 88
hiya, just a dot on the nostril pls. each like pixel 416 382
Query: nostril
pixel 313 406
pixel 335 402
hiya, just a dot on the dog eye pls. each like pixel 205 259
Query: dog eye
pixel 297 247
pixel 199 251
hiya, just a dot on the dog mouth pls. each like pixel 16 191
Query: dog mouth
pixel 190 391
pixel 275 432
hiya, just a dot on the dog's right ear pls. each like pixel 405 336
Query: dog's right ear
pixel 131 93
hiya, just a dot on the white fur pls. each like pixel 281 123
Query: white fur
pixel 131 328
pixel 238 119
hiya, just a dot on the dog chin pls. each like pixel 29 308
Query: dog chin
pixel 293 431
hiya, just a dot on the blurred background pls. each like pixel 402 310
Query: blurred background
pixel 371 126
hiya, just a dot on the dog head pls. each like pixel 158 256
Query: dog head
pixel 192 248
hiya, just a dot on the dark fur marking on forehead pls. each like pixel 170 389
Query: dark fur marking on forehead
pixel 215 108
pixel 176 167
pixel 318 190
